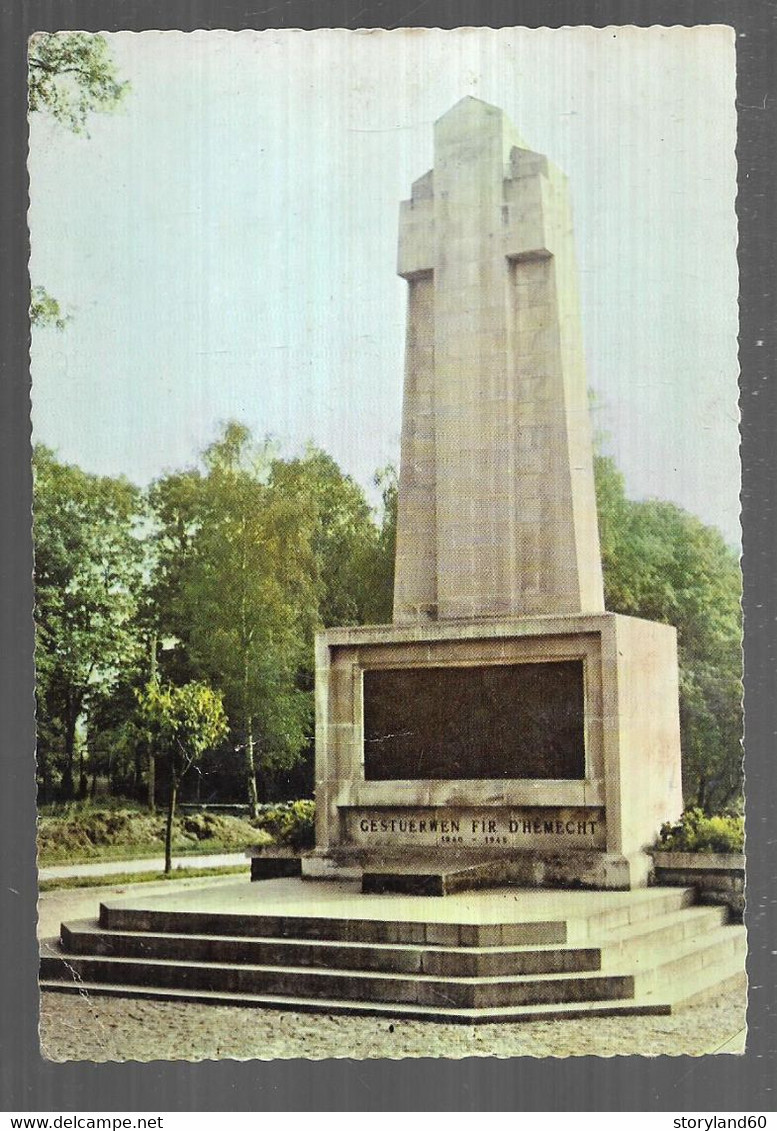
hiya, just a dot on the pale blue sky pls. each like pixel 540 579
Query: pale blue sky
pixel 226 242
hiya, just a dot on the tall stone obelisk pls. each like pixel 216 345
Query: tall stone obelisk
pixel 497 513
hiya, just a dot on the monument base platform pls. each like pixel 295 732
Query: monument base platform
pixel 531 869
pixel 414 873
pixel 549 745
pixel 500 955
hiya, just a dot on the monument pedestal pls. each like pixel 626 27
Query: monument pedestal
pixel 542 750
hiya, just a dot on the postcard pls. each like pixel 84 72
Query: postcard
pixel 386 519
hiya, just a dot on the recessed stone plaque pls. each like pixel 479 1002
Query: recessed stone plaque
pixel 492 721
pixel 495 828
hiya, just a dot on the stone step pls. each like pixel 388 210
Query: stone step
pixel 390 1010
pixel 305 982
pixel 634 907
pixel 707 985
pixel 649 951
pixel 676 964
pixel 627 913
pixel 662 999
pixel 672 927
pixel 88 939
pixel 336 929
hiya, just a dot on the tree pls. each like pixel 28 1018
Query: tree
pixel 45 310
pixel 177 505
pixel 70 75
pixel 188 721
pixel 345 539
pixel 380 606
pixel 664 564
pixel 116 739
pixel 291 543
pixel 88 579
pixel 236 579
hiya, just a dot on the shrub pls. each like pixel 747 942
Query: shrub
pixel 88 834
pixel 696 832
pixel 292 823
pixel 298 825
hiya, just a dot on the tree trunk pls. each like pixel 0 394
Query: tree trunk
pixel 253 799
pixel 169 828
pixel 45 792
pixel 151 750
pixel 83 780
pixel 152 779
pixel 701 795
pixel 137 784
pixel 67 786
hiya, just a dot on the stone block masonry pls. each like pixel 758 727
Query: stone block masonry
pixel 497 513
pixel 504 724
pixel 629 779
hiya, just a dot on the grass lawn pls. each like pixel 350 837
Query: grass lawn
pixel 122 878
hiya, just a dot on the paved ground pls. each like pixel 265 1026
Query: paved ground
pixel 106 1029
pixel 55 907
pixel 150 864
pixel 75 1027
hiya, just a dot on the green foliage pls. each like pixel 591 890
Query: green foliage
pixel 379 608
pixel 121 879
pixel 697 832
pixel 177 509
pixel 251 598
pixel 88 578
pixel 235 582
pixel 222 580
pixel 245 559
pixel 79 832
pixel 70 75
pixel 343 535
pixel 292 823
pixel 250 558
pixel 115 738
pixel 663 564
pixel 82 833
pixel 45 310
pixel 83 808
pixel 188 720
pixel 354 557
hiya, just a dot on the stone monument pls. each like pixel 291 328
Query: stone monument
pixel 504 727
